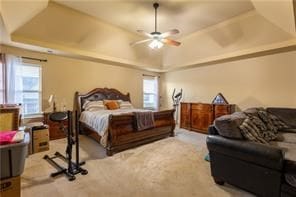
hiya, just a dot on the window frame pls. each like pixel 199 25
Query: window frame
pixel 34 91
pixel 156 93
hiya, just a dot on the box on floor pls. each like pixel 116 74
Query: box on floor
pixel 10 187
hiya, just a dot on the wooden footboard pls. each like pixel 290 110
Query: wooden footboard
pixel 123 134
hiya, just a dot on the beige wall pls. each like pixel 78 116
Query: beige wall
pixel 262 81
pixel 64 76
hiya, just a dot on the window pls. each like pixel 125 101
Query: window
pixel 20 83
pixel 150 89
pixel 28 77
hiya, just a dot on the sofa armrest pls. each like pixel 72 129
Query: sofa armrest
pixel 212 130
pixel 259 154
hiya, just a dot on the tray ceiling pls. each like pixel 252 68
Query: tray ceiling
pixel 187 16
pixel 102 30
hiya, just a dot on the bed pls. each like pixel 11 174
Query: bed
pixel 121 127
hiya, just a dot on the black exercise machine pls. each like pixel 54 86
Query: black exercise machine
pixel 73 167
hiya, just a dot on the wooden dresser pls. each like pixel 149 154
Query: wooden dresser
pixel 199 116
pixel 55 131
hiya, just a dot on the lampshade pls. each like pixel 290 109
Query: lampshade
pixel 50 99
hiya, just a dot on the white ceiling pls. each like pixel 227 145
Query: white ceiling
pixel 187 16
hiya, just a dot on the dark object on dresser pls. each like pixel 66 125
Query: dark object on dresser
pixel 55 131
pixel 199 116
pixel 257 168
pixel 122 133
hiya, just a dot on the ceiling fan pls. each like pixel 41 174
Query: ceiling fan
pixel 157 39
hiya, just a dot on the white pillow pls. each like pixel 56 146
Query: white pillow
pixel 93 105
pixel 95 108
pixel 126 105
pixel 110 100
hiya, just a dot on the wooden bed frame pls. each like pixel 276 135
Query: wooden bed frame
pixel 122 134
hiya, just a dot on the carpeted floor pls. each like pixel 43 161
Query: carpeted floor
pixel 169 167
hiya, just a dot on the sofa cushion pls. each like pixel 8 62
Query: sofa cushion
pixel 287 115
pixel 288 148
pixel 228 125
pixel 287 137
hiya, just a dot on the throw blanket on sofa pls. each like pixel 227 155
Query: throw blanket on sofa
pixel 261 126
pixel 144 120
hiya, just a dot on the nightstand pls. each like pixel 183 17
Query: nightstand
pixel 55 131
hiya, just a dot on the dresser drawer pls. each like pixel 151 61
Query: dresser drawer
pixel 221 110
pixel 202 107
pixel 56 133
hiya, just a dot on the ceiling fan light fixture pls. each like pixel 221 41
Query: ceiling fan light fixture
pixel 155 44
pixel 157 38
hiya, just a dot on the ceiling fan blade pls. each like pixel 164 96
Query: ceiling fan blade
pixel 140 42
pixel 169 33
pixel 170 42
pixel 145 33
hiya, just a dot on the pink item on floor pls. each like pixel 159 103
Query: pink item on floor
pixel 7 137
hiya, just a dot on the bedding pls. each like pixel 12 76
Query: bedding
pixel 144 120
pixel 99 120
pixel 126 105
pixel 110 100
pixel 93 105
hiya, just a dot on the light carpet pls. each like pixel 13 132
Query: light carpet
pixel 172 167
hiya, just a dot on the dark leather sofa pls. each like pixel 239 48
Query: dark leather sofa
pixel 257 168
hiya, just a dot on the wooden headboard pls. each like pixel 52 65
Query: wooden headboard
pixel 99 94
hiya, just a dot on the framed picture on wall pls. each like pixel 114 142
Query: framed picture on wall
pixel 219 99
